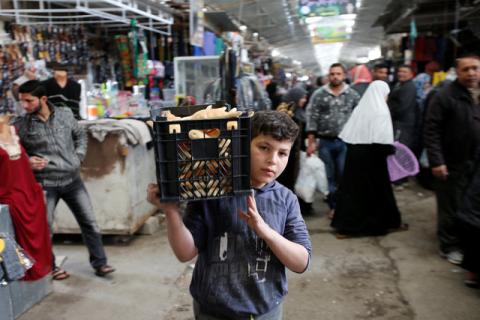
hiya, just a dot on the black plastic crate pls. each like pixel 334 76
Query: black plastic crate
pixel 205 168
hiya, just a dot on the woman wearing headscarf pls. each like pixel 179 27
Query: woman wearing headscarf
pixel 366 204
pixel 361 78
pixel 293 104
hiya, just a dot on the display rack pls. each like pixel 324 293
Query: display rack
pixel 109 13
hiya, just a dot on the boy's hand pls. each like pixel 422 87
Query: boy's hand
pixel 152 196
pixel 254 219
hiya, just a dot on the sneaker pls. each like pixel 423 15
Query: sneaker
pixel 454 257
pixel 474 284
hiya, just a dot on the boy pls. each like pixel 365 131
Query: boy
pixel 243 245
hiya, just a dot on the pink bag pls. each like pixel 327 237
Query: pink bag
pixel 402 163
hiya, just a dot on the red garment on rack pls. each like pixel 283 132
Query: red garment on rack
pixel 24 196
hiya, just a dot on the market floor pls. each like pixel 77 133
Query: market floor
pixel 399 276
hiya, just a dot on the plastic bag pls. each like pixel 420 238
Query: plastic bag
pixel 311 177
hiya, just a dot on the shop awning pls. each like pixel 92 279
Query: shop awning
pixel 436 16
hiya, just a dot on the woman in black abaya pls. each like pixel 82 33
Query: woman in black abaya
pixel 366 204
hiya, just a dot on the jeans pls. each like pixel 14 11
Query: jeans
pixel 78 201
pixel 333 153
pixel 275 314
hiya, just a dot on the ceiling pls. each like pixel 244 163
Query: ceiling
pixel 364 37
pixel 277 22
pixel 439 16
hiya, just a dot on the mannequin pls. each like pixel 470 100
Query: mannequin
pixel 8 138
pixel 24 196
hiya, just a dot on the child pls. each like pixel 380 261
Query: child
pixel 244 243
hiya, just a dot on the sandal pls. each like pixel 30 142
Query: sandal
pixel 104 270
pixel 60 274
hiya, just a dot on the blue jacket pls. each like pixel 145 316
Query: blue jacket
pixel 236 274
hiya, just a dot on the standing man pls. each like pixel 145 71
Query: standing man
pixel 327 112
pixel 380 72
pixel 56 145
pixel 451 135
pixel 62 85
pixel 402 102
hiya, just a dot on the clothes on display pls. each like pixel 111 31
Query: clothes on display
pixel 13 260
pixel 251 94
pixel 24 196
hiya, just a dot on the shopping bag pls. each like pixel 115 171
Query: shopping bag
pixel 311 177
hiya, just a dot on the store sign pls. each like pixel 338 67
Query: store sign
pixel 326 8
pixel 196 22
pixel 334 31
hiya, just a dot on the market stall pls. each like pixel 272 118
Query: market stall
pixel 117 169
pixel 18 296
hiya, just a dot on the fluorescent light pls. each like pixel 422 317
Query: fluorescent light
pixel 275 53
pixel 243 27
pixel 255 34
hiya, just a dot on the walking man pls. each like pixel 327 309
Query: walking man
pixel 56 145
pixel 402 102
pixel 451 135
pixel 327 112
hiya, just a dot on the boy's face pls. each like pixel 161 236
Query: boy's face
pixel 268 159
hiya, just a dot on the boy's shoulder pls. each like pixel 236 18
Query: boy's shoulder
pixel 279 193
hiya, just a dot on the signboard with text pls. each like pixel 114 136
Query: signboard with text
pixel 331 31
pixel 326 8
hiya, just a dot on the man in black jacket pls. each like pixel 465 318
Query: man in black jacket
pixel 402 102
pixel 451 135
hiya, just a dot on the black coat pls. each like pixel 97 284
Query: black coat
pixel 448 133
pixel 469 211
pixel 404 110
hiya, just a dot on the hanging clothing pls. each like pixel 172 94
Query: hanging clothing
pixel 251 94
pixel 24 196
pixel 365 201
pixel 370 121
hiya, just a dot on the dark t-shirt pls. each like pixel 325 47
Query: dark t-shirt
pixel 236 273
pixel 71 91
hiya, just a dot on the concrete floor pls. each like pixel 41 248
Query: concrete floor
pixel 399 276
